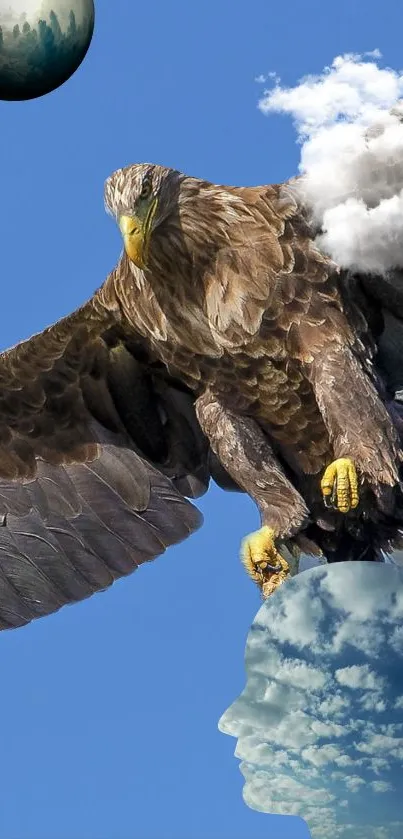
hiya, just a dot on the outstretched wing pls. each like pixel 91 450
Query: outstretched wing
pixel 97 451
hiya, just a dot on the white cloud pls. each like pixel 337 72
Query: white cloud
pixel 391 729
pixel 296 617
pixel 359 676
pixel 381 786
pixel 301 675
pixel 282 793
pixel 377 592
pixel 344 760
pixel 321 755
pixel 378 743
pixel 329 729
pixel 378 765
pixel 353 782
pixel 346 89
pixel 397 639
pixel 334 704
pixel 373 702
pixel 351 157
pixel 357 633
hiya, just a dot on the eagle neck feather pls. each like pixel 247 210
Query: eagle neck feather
pixel 183 251
pixel 170 299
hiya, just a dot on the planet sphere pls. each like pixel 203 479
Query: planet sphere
pixel 42 43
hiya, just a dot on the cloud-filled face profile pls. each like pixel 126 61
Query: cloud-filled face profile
pixel 319 725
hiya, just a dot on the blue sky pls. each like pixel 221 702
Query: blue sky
pixel 109 709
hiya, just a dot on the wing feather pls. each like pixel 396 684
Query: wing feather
pixel 88 466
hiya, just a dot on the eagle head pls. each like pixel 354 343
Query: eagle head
pixel 140 196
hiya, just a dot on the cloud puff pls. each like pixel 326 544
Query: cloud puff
pixel 397 639
pixel 297 623
pixel 351 158
pixel 373 702
pixel 381 786
pixel 376 744
pixel 333 705
pixel 321 755
pixel 301 675
pixel 358 676
pixel 354 782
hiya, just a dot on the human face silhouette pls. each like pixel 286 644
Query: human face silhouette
pixel 319 724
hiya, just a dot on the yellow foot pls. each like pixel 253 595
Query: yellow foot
pixel 340 485
pixel 262 560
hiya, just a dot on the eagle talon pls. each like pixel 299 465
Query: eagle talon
pixel 262 561
pixel 340 485
pixel 274 568
pixel 330 501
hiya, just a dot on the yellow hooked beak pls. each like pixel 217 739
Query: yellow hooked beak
pixel 136 234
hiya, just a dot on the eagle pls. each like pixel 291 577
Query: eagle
pixel 224 345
